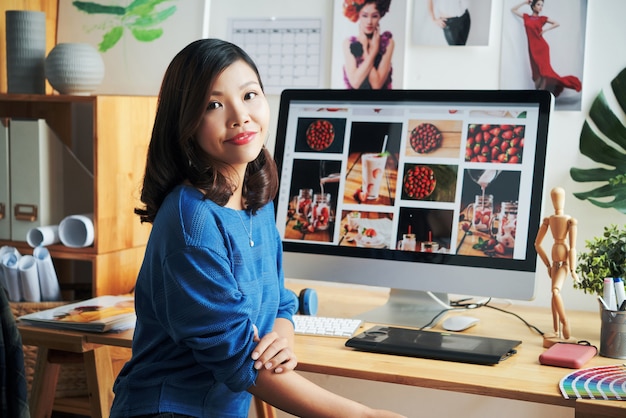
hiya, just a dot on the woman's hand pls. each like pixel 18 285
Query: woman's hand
pixel 374 42
pixel 273 353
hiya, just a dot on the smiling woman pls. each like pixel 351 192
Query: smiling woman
pixel 214 319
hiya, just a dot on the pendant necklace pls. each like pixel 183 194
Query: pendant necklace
pixel 248 232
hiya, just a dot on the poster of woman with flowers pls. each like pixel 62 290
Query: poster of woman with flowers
pixel 366 59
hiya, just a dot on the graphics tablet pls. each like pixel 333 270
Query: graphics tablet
pixel 434 345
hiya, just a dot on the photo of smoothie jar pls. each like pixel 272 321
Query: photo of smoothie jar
pixel 481 213
pixel 304 201
pixel 320 211
pixel 507 224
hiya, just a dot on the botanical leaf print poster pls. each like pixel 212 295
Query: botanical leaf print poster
pixel 137 40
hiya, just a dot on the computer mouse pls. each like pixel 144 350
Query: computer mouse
pixel 459 322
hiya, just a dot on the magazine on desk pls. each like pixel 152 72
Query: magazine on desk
pixel 99 314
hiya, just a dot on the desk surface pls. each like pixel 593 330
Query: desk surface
pixel 520 377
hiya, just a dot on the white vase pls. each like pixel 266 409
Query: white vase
pixel 26 51
pixel 74 68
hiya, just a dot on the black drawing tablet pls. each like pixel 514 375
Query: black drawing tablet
pixel 434 345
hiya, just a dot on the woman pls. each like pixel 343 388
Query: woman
pixel 453 17
pixel 214 320
pixel 368 55
pixel 543 75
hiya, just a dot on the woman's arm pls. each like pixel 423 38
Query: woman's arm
pixel 296 395
pixel 515 9
pixel 356 75
pixel 439 21
pixel 553 25
pixel 274 351
pixel 378 76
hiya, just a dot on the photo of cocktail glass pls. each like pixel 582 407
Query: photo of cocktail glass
pixel 373 166
pixel 408 242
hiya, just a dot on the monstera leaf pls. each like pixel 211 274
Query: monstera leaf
pixel 603 139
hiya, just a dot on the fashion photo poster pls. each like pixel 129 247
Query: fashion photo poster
pixel 543 47
pixel 368 44
pixel 451 22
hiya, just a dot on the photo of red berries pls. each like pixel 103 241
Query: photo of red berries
pixel 425 138
pixel 320 135
pixel 419 182
pixel 434 138
pixel 488 143
pixel 429 182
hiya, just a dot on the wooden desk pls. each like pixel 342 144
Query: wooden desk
pixel 102 357
pixel 520 377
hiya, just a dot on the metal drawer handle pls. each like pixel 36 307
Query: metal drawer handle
pixel 25 212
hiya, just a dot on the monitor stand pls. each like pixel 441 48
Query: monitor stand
pixel 409 308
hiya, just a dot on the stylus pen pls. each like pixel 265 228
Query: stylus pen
pixel 606 307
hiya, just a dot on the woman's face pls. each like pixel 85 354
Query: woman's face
pixel 538 7
pixel 236 119
pixel 369 18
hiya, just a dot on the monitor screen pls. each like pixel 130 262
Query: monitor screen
pixel 424 192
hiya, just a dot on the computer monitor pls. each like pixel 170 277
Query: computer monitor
pixel 428 193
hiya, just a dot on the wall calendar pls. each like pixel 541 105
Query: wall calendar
pixel 288 52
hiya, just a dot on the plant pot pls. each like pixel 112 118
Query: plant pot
pixel 74 68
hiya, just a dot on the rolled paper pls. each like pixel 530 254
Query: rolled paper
pixel 29 279
pixel 77 231
pixel 43 235
pixel 9 267
pixel 5 249
pixel 48 280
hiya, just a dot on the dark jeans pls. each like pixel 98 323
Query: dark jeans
pixel 457 29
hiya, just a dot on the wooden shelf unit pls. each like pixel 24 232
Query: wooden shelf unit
pixel 119 129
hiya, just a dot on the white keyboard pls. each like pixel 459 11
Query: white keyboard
pixel 326 326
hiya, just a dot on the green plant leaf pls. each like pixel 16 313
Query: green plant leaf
pixel 110 38
pixel 90 7
pixel 607 122
pixel 155 18
pixel 605 144
pixel 592 174
pixel 604 256
pixel 143 7
pixel 147 35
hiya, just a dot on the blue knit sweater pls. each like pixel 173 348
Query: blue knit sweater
pixel 199 292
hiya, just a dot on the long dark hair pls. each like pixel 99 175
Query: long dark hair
pixel 174 155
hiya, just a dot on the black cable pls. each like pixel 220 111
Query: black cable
pixel 517 316
pixel 464 304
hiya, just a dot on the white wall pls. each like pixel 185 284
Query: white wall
pixel 478 67
pixel 473 68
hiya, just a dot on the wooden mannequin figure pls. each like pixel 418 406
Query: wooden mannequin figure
pixel 563 229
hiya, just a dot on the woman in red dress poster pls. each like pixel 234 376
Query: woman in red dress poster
pixel 543 74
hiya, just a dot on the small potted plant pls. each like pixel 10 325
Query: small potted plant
pixel 605 257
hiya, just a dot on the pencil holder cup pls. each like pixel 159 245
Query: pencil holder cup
pixel 613 334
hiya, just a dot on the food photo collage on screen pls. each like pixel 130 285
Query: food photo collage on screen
pixel 445 178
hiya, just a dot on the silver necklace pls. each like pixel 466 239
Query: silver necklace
pixel 248 232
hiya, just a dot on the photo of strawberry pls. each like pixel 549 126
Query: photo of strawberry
pixel 487 143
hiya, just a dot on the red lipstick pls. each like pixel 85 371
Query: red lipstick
pixel 242 138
